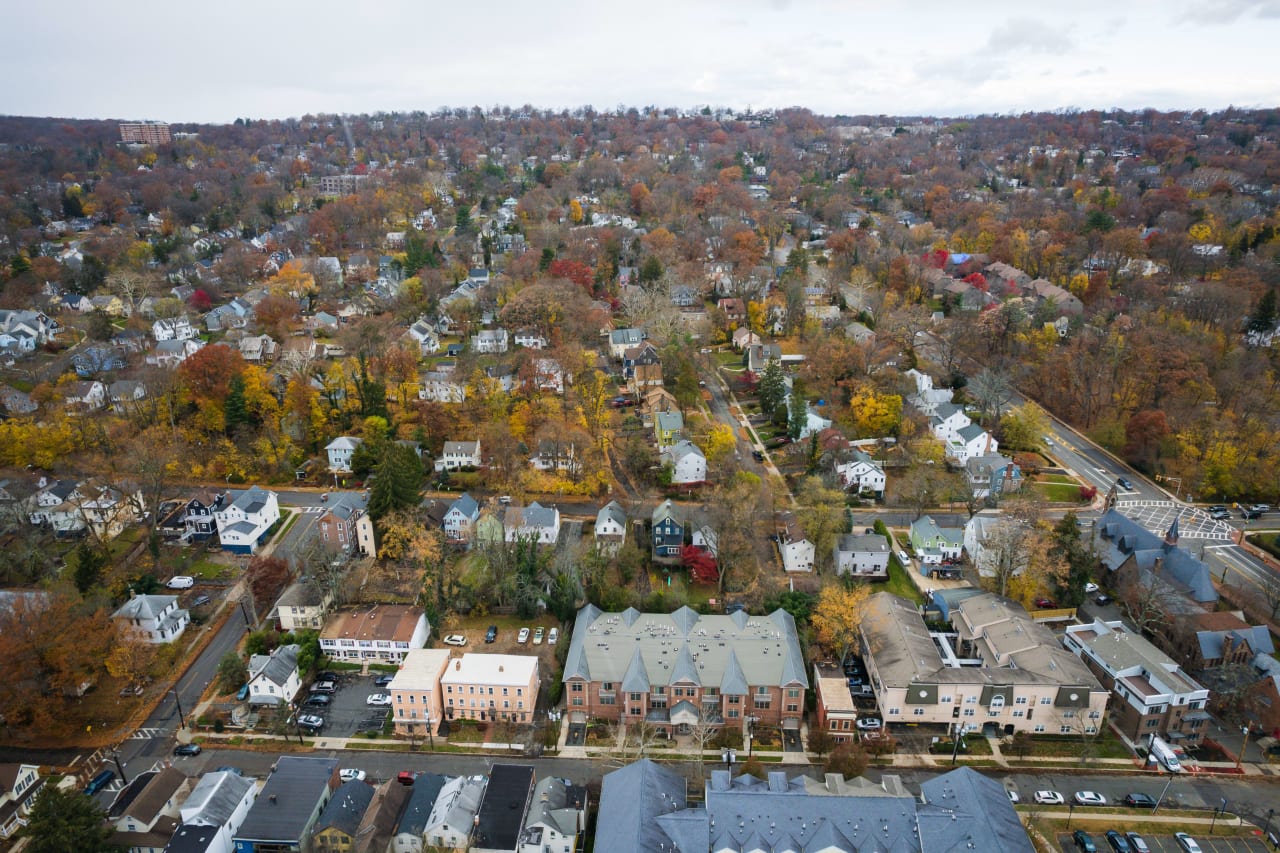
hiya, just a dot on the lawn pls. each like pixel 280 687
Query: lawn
pixel 1106 745
pixel 898 583
pixel 729 358
pixel 1059 492
pixel 1056 478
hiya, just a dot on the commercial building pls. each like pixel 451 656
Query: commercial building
pixel 145 133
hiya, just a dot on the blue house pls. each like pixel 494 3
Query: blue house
pixel 668 531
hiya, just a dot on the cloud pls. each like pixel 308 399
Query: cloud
pixel 1224 12
pixel 1029 36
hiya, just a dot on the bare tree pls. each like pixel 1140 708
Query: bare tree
pixel 992 391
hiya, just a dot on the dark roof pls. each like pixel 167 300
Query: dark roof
pixel 1120 537
pixel 129 793
pixel 382 817
pixel 422 798
pixel 630 801
pixel 285 805
pixel 347 808
pixel 192 838
pixel 965 810
pixel 502 811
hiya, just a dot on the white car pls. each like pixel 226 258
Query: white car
pixel 352 775
pixel 868 723
pixel 1013 796
pixel 523 636
pixel 181 582
pixel 1089 798
pixel 381 699
pixel 1187 843
pixel 1090 587
pixel 552 636
pixel 1049 798
pixel 537 635
pixel 455 640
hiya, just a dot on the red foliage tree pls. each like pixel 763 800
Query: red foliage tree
pixel 575 271
pixel 701 564
pixel 978 280
pixel 200 301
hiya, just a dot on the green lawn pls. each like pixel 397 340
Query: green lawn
pixel 1056 478
pixel 898 583
pixel 1058 492
pixel 729 358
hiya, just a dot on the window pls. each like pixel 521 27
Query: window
pixel 1091 730
pixel 576 687
pixel 762 690
pixel 1152 723
pixel 763 702
pixel 604 700
pixel 635 697
pixel 1066 730
pixel 944 700
pixel 968 712
pixel 919 712
pixel 1019 713
pixel 793 693
pixel 606 685
pixel 971 700
pixel 504 691
pixel 735 700
pixel 733 714
pixel 1039 728
pixel 997 702
pixel 519 691
pixel 793 707
pixel 1045 700
pixel 658 690
pixel 893 712
pixel 1093 715
pixel 577 700
pixel 1020 700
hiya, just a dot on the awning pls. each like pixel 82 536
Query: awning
pixel 577 717
pixel 791 724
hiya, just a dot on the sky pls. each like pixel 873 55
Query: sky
pixel 187 62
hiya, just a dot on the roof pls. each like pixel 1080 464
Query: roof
pixel 965 810
pixel 394 622
pixel 535 515
pixel 1257 637
pixel 214 799
pixel 862 543
pixel 730 652
pixel 192 838
pixel 286 803
pixel 508 793
pixel 631 799
pixel 302 594
pixel 612 511
pixel 497 670
pixel 374 834
pixel 144 607
pixel 1119 538
pixel 466 505
pixel 420 670
pixel 462 448
pixel 457 803
pixel 252 500
pixel 344 442
pixel 346 810
pixel 1119 649
pixel 421 801
pixel 669 421
pixel 681 449
pixel 557 803
pixel 663 511
pixel 276 667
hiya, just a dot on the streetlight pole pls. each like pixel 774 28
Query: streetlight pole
pixel 1160 799
pixel 728 755
pixel 1270 814
pixel 956 737
pixel 182 723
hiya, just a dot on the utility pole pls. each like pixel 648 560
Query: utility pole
pixel 115 756
pixel 182 723
pixel 1160 799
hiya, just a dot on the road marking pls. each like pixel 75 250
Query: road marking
pixel 148 734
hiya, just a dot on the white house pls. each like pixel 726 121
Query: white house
pixel 424 335
pixel 532 339
pixel 548 375
pixel 153 618
pixel 611 526
pixel 172 353
pixel 460 519
pixel 453 816
pixel 86 396
pixel 927 398
pixel 459 454
pixel 861 471
pixel 257 348
pixel 621 340
pixel 556 457
pixel 536 522
pixel 489 341
pixel 215 809
pixel 440 386
pixel 340 451
pixel 243 523
pixel 862 555
pixel 988 542
pixel 688 464
pixel 962 439
pixel 274 678
pixel 384 633
pixel 797 551
pixel 557 815
pixel 174 329
pixel 19 784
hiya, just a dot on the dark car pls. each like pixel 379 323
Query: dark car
pixel 492 634
pixel 319 700
pixel 97 783
pixel 1139 801
pixel 1123 482
pixel 1118 842
pixel 187 749
pixel 1084 841
pixel 384 679
pixel 326 675
pixel 1250 513
pixel 757 455
pixel 324 686
pixel 1103 600
pixel 226 768
pixel 200 600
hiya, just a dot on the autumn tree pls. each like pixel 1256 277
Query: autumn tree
pixel 1024 427
pixel 849 759
pixel 838 615
pixel 232 673
pixel 821 514
pixel 63 819
pixel 132 657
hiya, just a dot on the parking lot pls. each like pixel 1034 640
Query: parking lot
pixel 1166 844
pixel 348 713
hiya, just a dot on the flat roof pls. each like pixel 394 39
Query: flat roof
pixel 498 670
pixel 501 815
pixel 420 669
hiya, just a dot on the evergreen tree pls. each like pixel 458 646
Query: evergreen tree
pixel 1065 542
pixel 772 388
pixel 398 481
pixel 65 819
pixel 90 563
pixel 650 270
pixel 799 412
pixel 1263 318
pixel 235 410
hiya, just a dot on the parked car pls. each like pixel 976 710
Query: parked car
pixel 227 768
pixel 1219 514
pixel 523 636
pixel 324 687
pixel 1123 482
pixel 1090 587
pixel 318 700
pixel 311 722
pixel 1139 800
pixel 1263 508
pixel 455 640
pixel 1084 841
pixel 378 699
pixel 538 634
pixel 200 600
pixel 1046 603
pixel 406 777
pixel 552 636
pixel 384 679
pixel 1118 842
pixel 181 582
pixel 757 455
pixel 352 775
pixel 1187 843
pixel 1103 600
pixel 1249 513
pixel 1137 843
pixel 243 693
pixel 326 675
pixel 187 749
pixel 1049 798
pixel 1089 798
pixel 1013 796
pixel 100 781
pixel 1215 507
pixel 492 634
pixel 869 723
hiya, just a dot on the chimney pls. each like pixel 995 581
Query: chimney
pixel 500 669
pixel 457 665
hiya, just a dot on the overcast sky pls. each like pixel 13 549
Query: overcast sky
pixel 183 61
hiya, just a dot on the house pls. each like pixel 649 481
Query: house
pixel 621 340
pixel 759 355
pixel 16 402
pixel 531 339
pixel 991 475
pixel 19 784
pixel 557 816
pixel 667 427
pixel 1064 301
pixel 57 504
pixel 835 711
pixel 441 386
pixel 987 541
pixel 611 527
pixel 34 328
pixel 927 398
pixel 109 304
pixel 124 394
pixel 862 472
pixel 489 528
pixel 411 825
pixel 1131 554
pixel 458 455
pixel 194 520
pixel 859 334
pixel 490 687
pixel 631 667
pixel 1224 639
pixel 549 376
pixel 105 509
pixel 337 526
pixel 688 464
pixel 1016 675
pixel 340 451
pixel 502 811
pixel 797 551
pixel 864 556
pixel 297 351
pixel 423 333
pixel 291 801
pixel 174 329
pixel 243 524
pixel 557 457
pixel 303 605
pixel 145 814
pixel 417 706
pixel 454 815
pixel 257 349
pixel 85 396
pixel 460 520
pixel 152 618
pixel 684 296
pixel 536 522
pixel 668 531
pixel 380 634
pixel 383 815
pixel 213 813
pixel 643 367
pixel 734 311
pixel 744 338
pixel 172 353
pixel 934 545
pixel 659 400
pixel 1152 696
pixel 489 341
pixel 335 830
pixel 274 678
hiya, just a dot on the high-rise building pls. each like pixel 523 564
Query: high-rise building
pixel 145 132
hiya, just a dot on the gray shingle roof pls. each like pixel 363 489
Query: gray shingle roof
pixel 275 667
pixel 631 799
pixel 288 800
pixel 1120 537
pixel 636 679
pixel 422 800
pixel 345 811
pixel 965 810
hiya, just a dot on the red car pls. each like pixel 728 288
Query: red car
pixel 1046 603
pixel 406 777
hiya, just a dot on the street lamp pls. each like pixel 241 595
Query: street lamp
pixel 1243 746
pixel 115 756
pixel 1270 814
pixel 961 728
pixel 728 755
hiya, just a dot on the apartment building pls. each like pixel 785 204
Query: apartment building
pixel 491 687
pixel 145 133
pixel 415 692
pixel 383 633
pixel 1155 698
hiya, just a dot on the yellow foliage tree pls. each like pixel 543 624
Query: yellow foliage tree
pixel 292 280
pixel 575 212
pixel 838 614
pixel 718 444
pixel 875 414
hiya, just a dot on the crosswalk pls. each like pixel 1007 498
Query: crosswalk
pixel 1193 523
pixel 311 510
pixel 149 734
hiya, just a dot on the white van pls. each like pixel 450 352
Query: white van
pixel 1165 754
pixel 904 559
pixel 181 582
